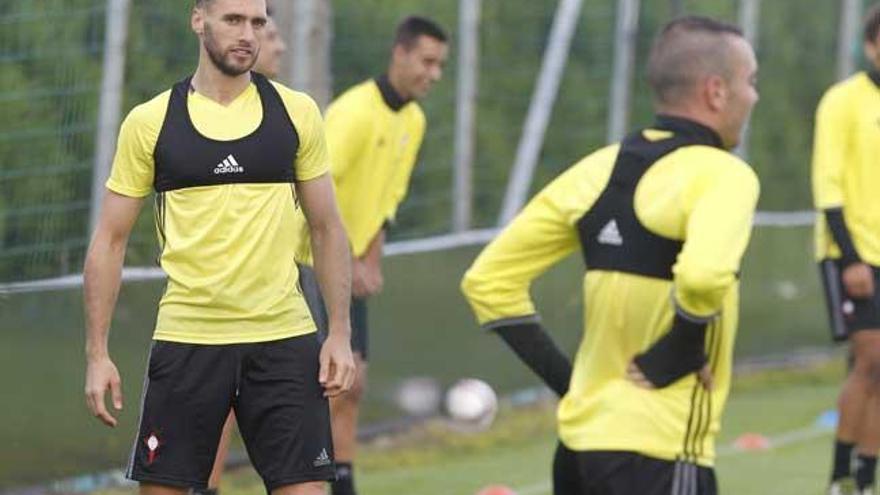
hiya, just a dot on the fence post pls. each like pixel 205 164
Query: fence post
pixel 310 38
pixel 540 108
pixel 850 12
pixel 465 116
pixel 110 101
pixel 625 31
pixel 749 21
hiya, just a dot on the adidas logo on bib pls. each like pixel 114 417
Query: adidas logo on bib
pixel 228 166
pixel 610 234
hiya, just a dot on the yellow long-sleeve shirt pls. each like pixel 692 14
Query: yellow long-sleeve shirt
pixel 374 140
pixel 846 164
pixel 698 194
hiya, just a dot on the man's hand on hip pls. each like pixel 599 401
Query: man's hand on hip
pixel 858 280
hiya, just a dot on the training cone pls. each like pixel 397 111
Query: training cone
pixel 752 441
pixel 496 490
pixel 827 420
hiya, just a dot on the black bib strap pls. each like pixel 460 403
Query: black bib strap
pixel 612 238
pixel 185 158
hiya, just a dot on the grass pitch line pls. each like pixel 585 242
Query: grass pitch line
pixel 791 437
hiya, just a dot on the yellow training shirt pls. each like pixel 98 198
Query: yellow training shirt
pixel 697 194
pixel 846 165
pixel 374 141
pixel 227 248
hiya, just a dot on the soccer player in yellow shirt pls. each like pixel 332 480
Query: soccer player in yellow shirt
pixel 662 220
pixel 272 48
pixel 846 177
pixel 374 133
pixel 230 156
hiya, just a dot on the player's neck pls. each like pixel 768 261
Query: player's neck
pixel 689 113
pixel 394 79
pixel 211 83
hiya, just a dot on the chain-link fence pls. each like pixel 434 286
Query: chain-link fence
pixel 51 59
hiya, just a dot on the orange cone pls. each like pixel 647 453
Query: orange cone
pixel 751 442
pixel 496 490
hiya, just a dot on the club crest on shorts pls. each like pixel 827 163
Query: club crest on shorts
pixel 153 443
pixel 323 459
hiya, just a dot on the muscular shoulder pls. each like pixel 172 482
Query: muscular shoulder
pixel 293 99
pixel 595 168
pixel 144 122
pixel 150 115
pixel 843 93
pixel 359 97
pixel 577 188
pixel 301 107
pixel 707 164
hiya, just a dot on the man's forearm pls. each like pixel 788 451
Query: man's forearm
pixel 101 279
pixel 534 346
pixel 373 255
pixel 333 269
pixel 840 234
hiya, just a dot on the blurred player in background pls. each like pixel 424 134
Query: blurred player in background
pixel 374 132
pixel 662 220
pixel 272 49
pixel 846 181
pixel 230 156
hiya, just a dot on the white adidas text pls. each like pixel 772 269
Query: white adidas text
pixel 228 166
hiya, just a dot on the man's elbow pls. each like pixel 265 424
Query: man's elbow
pixel 702 291
pixel 327 227
pixel 470 285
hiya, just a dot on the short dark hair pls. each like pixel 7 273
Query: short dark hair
pixel 872 23
pixel 204 3
pixel 686 48
pixel 411 28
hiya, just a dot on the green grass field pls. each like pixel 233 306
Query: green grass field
pixel 518 449
pixel 420 326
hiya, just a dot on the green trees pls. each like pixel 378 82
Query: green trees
pixel 50 62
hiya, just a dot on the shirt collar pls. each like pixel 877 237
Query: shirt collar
pixel 874 75
pixel 700 133
pixel 391 97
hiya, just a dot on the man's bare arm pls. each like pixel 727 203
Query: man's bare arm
pixel 102 274
pixel 333 270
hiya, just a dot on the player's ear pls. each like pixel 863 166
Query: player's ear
pixel 398 53
pixel 197 21
pixel 715 88
pixel 871 51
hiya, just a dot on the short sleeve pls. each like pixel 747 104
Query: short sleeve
pixel 133 166
pixel 312 159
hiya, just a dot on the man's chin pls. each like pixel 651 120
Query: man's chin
pixel 238 69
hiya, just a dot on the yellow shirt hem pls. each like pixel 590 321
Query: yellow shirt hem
pixel 197 337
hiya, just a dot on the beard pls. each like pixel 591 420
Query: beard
pixel 221 60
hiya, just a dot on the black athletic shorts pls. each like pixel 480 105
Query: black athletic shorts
pixel 312 292
pixel 273 387
pixel 627 473
pixel 847 315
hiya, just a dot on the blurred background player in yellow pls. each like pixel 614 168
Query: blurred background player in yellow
pixel 268 63
pixel 231 157
pixel 374 132
pixel 846 181
pixel 662 220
